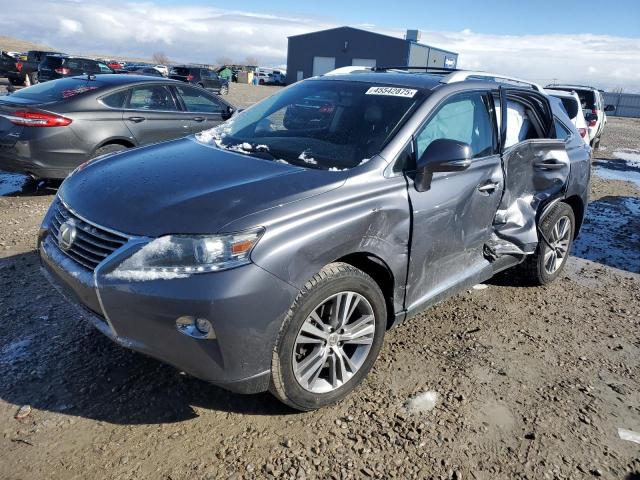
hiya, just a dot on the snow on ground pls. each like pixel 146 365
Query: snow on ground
pixel 12 182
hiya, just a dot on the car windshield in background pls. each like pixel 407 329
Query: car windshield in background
pixel 180 71
pixel 324 124
pixel 58 89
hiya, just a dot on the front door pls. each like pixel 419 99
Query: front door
pixel 153 116
pixel 203 109
pixel 452 220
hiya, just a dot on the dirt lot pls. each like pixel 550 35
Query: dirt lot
pixel 532 382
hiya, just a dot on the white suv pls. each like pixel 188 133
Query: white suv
pixel 594 110
pixel 572 104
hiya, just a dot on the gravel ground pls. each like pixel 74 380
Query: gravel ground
pixel 527 382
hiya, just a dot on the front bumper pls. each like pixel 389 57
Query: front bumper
pixel 246 307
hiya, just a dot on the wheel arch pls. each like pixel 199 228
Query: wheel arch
pixel 380 272
pixel 125 142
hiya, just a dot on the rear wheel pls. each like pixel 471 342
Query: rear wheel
pixel 33 78
pixel 551 256
pixel 224 89
pixel 330 338
pixel 108 149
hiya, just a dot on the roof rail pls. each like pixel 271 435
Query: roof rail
pixel 421 68
pixel 462 75
pixel 564 85
pixel 347 70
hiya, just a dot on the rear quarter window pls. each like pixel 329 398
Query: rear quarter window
pixel 115 100
pixel 562 132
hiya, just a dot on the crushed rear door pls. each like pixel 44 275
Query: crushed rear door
pixel 536 171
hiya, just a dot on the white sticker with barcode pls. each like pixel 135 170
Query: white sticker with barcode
pixel 392 91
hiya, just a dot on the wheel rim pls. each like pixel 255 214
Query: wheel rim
pixel 558 247
pixel 333 342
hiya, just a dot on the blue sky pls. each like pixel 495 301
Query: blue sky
pixel 619 17
pixel 564 40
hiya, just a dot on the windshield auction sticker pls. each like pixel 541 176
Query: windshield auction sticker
pixel 392 91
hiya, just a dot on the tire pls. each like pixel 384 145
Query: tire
pixel 261 81
pixel 111 148
pixel 224 89
pixel 33 78
pixel 535 268
pixel 335 281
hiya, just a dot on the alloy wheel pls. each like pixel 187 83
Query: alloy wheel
pixel 333 342
pixel 558 247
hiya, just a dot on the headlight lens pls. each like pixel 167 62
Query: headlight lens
pixel 178 256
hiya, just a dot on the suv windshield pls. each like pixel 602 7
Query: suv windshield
pixel 58 90
pixel 180 71
pixel 324 124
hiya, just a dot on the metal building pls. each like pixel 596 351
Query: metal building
pixel 317 53
pixel 627 104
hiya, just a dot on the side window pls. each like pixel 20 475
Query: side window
pixel 204 73
pixel 198 101
pixel 152 97
pixel 103 68
pixel 465 118
pixel 90 67
pixel 562 133
pixel 115 100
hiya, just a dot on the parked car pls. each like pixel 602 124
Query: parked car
pixel 573 106
pixel 263 78
pixel 151 71
pixel 59 66
pixel 163 69
pixel 259 257
pixel 202 77
pixel 49 129
pixel 593 106
pixel 115 65
pixel 7 62
pixel 26 69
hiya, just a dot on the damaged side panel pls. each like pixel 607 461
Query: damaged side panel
pixel 535 171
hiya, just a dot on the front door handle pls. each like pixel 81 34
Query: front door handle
pixel 488 188
pixel 199 119
pixel 136 119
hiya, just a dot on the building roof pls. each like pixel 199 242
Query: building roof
pixel 369 32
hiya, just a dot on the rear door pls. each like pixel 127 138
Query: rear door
pixel 452 220
pixel 536 169
pixel 152 114
pixel 204 110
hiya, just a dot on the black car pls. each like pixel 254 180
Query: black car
pixel 25 71
pixel 7 63
pixel 47 130
pixel 58 66
pixel 149 71
pixel 203 77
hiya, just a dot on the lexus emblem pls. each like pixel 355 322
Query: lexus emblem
pixel 67 234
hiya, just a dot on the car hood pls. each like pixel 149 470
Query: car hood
pixel 183 186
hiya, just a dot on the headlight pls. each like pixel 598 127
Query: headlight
pixel 178 256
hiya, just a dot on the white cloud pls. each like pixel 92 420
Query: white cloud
pixel 201 34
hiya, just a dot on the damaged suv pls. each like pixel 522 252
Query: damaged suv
pixel 274 251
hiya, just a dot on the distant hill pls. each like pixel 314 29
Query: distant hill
pixel 11 44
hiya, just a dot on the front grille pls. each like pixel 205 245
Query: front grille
pixel 92 243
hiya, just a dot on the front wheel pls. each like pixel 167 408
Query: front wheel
pixel 551 255
pixel 330 338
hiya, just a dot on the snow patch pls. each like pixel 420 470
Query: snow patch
pixel 214 135
pixel 12 183
pixel 480 286
pixel 135 268
pixel 306 158
pixel 364 160
pixel 423 402
pixel 629 435
pixel 14 351
pixel 631 156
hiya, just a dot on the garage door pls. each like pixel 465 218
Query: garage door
pixel 364 62
pixel 322 65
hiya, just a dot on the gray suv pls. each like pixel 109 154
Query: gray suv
pixel 273 251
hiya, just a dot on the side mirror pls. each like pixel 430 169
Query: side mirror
pixel 610 108
pixel 442 155
pixel 228 113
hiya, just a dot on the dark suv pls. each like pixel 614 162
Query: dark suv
pixel 26 70
pixel 203 77
pixel 275 250
pixel 57 66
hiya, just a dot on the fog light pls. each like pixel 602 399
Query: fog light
pixel 203 326
pixel 200 328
